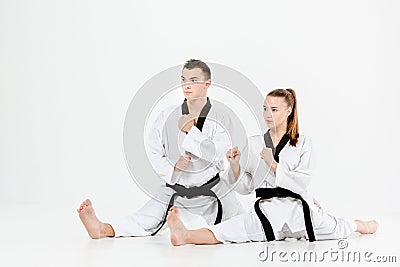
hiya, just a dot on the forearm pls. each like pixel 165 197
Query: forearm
pixel 236 171
pixel 274 165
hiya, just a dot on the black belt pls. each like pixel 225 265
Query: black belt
pixel 191 192
pixel 267 193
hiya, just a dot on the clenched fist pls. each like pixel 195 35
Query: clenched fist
pixel 186 122
pixel 268 157
pixel 233 155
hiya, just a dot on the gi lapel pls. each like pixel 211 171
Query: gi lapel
pixel 203 113
pixel 279 147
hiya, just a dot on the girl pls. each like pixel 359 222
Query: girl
pixel 278 165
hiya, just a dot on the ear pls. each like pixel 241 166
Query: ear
pixel 207 84
pixel 289 111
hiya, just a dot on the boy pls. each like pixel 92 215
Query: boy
pixel 186 148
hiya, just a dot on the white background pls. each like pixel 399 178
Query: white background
pixel 69 69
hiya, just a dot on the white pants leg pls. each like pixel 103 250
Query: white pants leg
pixel 239 229
pixel 147 219
pixel 247 227
pixel 327 226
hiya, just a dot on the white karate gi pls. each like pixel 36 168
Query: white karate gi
pixel 293 172
pixel 207 149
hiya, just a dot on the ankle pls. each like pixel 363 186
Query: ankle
pixel 187 236
pixel 106 230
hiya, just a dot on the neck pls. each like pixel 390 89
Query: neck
pixel 278 132
pixel 196 105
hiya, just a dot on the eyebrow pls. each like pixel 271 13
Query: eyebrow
pixel 269 107
pixel 194 77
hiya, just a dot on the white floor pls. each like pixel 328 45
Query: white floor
pixel 50 235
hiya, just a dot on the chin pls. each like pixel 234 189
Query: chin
pixel 270 124
pixel 191 97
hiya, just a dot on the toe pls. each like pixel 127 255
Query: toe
pixel 174 209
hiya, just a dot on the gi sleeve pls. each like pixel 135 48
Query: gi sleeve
pixel 156 153
pixel 297 179
pixel 211 149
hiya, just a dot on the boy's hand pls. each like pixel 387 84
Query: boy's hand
pixel 233 155
pixel 182 163
pixel 186 122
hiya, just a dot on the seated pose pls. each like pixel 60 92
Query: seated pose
pixel 186 148
pixel 278 166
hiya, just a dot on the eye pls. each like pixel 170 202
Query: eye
pixel 274 109
pixel 193 80
pixel 265 109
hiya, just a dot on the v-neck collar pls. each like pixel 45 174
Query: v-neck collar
pixel 203 113
pixel 275 150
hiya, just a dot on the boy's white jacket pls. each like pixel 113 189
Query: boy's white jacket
pixel 294 170
pixel 207 148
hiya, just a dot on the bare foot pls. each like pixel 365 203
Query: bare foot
pixel 366 227
pixel 178 230
pixel 89 219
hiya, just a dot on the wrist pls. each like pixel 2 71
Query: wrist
pixel 176 169
pixel 235 167
pixel 235 171
pixel 274 165
pixel 190 125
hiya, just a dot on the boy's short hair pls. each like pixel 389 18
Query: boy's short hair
pixel 195 63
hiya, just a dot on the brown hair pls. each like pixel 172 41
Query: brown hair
pixel 292 129
pixel 194 63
